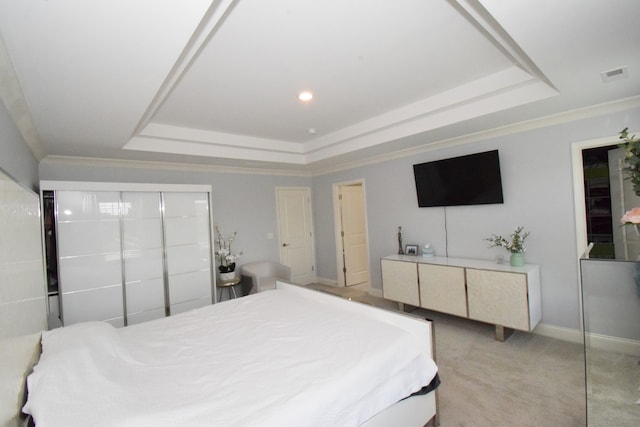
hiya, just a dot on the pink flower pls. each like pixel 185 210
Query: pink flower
pixel 631 217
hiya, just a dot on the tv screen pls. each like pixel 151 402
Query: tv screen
pixel 467 180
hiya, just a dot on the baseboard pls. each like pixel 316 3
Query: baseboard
pixel 328 282
pixel 375 292
pixel 560 333
pixel 334 283
pixel 613 344
pixel 595 341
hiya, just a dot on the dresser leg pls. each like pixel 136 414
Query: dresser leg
pixel 503 333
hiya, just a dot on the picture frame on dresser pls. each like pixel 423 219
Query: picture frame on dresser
pixel 411 249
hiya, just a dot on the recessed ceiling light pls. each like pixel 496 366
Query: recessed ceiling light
pixel 305 96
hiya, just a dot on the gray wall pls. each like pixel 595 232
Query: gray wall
pixel 245 203
pixel 538 194
pixel 16 159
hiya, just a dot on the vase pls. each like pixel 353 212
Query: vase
pixel 517 259
pixel 225 277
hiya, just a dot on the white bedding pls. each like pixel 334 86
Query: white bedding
pixel 269 359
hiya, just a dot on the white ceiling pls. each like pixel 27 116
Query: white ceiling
pixel 216 82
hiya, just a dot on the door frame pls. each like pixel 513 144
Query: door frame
pixel 337 229
pixel 579 202
pixel 578 187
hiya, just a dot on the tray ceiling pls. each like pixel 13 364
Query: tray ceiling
pixel 216 82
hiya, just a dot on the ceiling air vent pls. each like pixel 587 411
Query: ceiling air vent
pixel 615 74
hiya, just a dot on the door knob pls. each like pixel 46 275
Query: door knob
pixel 285 244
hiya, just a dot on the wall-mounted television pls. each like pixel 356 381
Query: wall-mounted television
pixel 473 179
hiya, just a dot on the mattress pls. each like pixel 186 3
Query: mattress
pixel 270 359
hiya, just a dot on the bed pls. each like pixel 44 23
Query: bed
pixel 284 357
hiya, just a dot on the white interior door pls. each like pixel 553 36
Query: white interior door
pixel 354 234
pixel 295 233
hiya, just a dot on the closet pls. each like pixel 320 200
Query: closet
pixel 128 253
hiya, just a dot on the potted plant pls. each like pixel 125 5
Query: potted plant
pixel 515 245
pixel 631 168
pixel 227 259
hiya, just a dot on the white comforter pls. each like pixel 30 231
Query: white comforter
pixel 270 359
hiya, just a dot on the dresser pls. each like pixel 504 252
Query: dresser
pixel 507 297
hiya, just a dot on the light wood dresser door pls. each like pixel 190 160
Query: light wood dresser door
pixel 499 298
pixel 442 288
pixel 400 281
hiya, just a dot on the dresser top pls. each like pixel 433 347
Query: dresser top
pixel 464 262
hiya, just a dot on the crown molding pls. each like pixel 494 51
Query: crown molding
pixel 183 167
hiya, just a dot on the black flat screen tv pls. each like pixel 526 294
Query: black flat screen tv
pixel 473 179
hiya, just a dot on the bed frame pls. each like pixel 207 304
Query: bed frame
pixel 416 411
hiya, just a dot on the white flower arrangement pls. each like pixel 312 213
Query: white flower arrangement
pixel 223 252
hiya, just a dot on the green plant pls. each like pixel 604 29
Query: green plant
pixel 631 167
pixel 515 245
